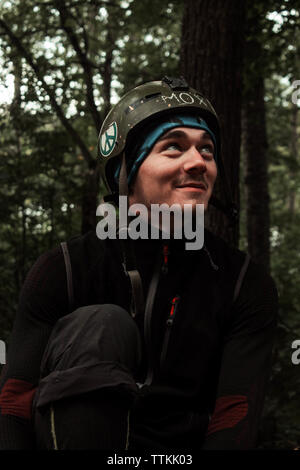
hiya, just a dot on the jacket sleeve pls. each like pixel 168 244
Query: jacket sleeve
pixel 245 364
pixel 43 299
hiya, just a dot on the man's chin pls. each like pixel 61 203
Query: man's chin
pixel 193 203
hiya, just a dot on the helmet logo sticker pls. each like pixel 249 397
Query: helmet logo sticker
pixel 108 140
pixel 186 98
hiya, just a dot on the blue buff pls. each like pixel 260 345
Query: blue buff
pixel 156 133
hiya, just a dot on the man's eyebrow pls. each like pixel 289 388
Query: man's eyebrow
pixel 179 134
pixel 171 135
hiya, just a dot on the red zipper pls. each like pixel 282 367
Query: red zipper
pixel 171 316
pixel 169 323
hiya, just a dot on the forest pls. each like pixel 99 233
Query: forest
pixel 64 63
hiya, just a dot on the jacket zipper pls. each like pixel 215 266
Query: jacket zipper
pixel 169 324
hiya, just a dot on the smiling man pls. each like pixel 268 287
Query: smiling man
pixel 140 344
pixel 180 169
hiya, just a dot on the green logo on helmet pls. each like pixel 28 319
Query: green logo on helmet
pixel 108 140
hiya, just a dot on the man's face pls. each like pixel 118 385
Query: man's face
pixel 179 169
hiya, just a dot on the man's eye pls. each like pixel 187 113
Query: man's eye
pixel 172 146
pixel 207 149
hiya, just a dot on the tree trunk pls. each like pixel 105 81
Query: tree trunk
pixel 255 136
pixel 256 173
pixel 294 153
pixel 107 72
pixel 211 61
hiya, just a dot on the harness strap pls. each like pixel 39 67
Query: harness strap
pixel 240 279
pixel 65 251
pixel 129 261
pixel 148 314
pixel 138 303
pixel 130 268
pixel 135 280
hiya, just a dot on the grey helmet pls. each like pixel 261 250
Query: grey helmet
pixel 136 108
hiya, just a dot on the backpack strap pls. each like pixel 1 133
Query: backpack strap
pixel 240 279
pixel 65 251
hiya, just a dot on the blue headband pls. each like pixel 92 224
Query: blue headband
pixel 156 132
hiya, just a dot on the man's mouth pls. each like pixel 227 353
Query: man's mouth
pixel 193 186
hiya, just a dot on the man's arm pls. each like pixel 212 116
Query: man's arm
pixel 43 299
pixel 246 364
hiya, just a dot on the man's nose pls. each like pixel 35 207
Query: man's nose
pixel 194 162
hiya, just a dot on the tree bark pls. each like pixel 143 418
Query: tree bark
pixel 211 61
pixel 256 174
pixel 255 137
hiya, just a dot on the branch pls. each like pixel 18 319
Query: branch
pixel 40 76
pixel 61 7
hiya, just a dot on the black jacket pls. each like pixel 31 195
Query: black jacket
pixel 207 358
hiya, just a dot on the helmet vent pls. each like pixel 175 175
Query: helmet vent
pixel 153 95
pixel 137 103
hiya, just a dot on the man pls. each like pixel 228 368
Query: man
pixel 144 344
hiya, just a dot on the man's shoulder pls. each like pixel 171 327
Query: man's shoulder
pixel 233 262
pixel 84 251
pixel 87 243
pixel 87 252
pixel 225 256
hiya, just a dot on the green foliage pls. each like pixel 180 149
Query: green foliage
pixel 278 37
pixel 69 60
pixel 149 47
pixel 39 199
pixel 282 411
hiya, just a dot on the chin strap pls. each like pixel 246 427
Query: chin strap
pixel 123 184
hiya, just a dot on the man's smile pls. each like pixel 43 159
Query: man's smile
pixel 193 186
